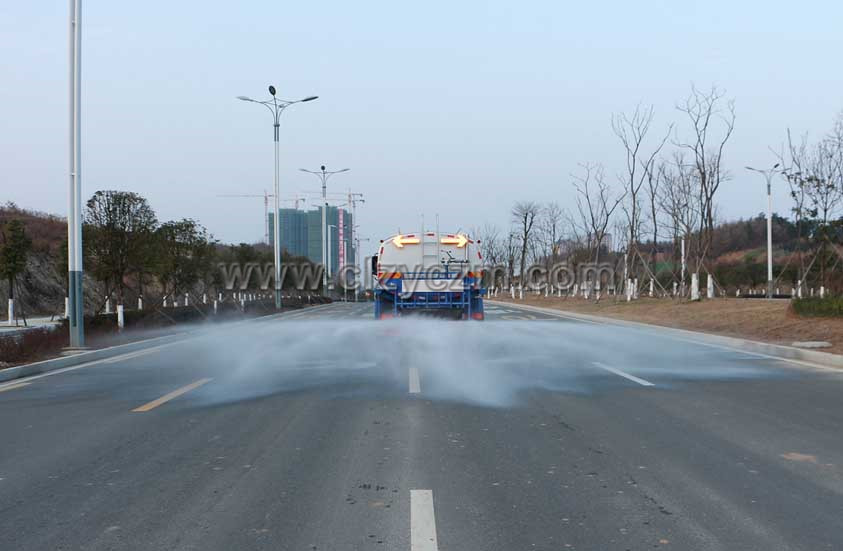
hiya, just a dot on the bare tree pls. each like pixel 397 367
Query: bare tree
pixel 596 203
pixel 679 200
pixel 655 175
pixel 550 230
pixel 524 216
pixel 632 131
pixel 712 119
pixel 794 161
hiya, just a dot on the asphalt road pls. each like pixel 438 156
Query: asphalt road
pixel 325 430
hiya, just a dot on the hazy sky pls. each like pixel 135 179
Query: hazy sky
pixel 455 108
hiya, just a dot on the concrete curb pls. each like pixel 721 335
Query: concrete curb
pixel 778 351
pixel 44 366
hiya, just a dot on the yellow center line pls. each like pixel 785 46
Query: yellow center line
pixel 174 394
pixel 12 387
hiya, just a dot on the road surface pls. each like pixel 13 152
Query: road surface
pixel 325 430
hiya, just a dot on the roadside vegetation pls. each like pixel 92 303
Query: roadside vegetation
pixel 128 255
pixel 656 224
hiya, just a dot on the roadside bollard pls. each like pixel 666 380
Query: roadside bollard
pixel 121 322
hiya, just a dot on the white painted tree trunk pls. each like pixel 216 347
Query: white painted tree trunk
pixel 11 311
pixel 215 307
pixel 652 289
pixel 140 303
pixel 121 322
pixel 204 298
pixel 107 305
pixel 695 286
pixel 66 307
pixel 709 291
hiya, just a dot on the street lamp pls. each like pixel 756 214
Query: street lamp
pixel 768 176
pixel 76 306
pixel 276 106
pixel 323 174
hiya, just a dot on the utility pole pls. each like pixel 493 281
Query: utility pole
pixel 353 199
pixel 76 318
pixel 323 174
pixel 768 176
pixel 276 106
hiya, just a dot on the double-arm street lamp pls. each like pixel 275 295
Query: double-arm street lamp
pixel 324 175
pixel 768 176
pixel 276 106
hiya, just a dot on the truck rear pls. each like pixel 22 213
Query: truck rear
pixel 428 273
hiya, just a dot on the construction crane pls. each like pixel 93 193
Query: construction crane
pixel 299 198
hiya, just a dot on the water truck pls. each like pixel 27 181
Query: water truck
pixel 429 273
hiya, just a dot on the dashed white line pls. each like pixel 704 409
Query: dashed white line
pixel 415 385
pixel 633 378
pixel 422 521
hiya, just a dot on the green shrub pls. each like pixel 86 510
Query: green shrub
pixel 822 307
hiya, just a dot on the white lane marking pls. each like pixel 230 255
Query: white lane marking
pixel 415 385
pixel 132 355
pixel 638 380
pixel 422 521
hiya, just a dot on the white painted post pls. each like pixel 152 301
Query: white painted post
pixel 242 303
pixel 11 311
pixel 140 303
pixel 822 291
pixel 121 322
pixel 635 288
pixel 520 292
pixel 709 292
pixel 674 288
pixel 204 298
pixel 219 297
pixel 737 292
pixel 107 305
pixel 186 299
pixel 512 291
pixel 777 290
pixel 628 289
pixel 799 289
pixel 695 286
pixel 651 289
pixel 66 307
pixel 215 307
pixel 576 290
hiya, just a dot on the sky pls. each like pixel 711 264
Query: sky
pixel 455 109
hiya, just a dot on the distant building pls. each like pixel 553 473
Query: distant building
pixel 301 234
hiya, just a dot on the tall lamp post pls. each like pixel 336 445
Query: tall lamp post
pixel 323 174
pixel 74 215
pixel 276 106
pixel 768 176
